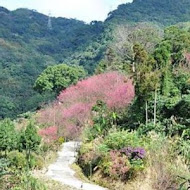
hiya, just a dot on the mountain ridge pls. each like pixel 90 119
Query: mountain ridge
pixel 165 12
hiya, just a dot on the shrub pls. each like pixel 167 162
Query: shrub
pixel 145 129
pixel 29 139
pixel 8 182
pixel 119 154
pixel 36 161
pixel 116 140
pixel 50 146
pixel 168 127
pixel 164 163
pixel 17 160
pixel 39 163
pixel 61 140
pixel 183 148
pixel 4 164
pixel 49 134
pixel 89 156
pixel 87 152
pixel 8 136
pixel 124 163
pixel 27 115
pixel 102 120
pixel 116 165
pixel 136 157
pixel 134 153
pixel 30 183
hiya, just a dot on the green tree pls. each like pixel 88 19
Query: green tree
pixel 179 40
pixel 7 107
pixel 59 77
pixel 182 80
pixel 140 56
pixel 109 62
pixel 146 77
pixel 170 55
pixel 29 140
pixel 8 140
pixel 162 55
pixel 101 67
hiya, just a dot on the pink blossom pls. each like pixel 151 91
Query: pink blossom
pixel 49 134
pixel 73 106
pixel 187 56
pixel 78 110
pixel 72 131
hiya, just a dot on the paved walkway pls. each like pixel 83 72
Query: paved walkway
pixel 61 171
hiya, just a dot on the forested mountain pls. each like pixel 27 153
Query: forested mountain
pixel 28 45
pixel 165 12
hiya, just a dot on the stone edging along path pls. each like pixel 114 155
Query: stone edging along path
pixel 61 171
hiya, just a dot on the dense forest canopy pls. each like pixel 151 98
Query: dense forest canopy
pixel 28 45
pixel 165 12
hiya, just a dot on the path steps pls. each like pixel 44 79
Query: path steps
pixel 60 170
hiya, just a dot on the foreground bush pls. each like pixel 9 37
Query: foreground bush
pixel 30 183
pixel 17 160
pixel 118 155
pixel 122 155
pixel 8 136
pixel 147 162
pixel 116 140
pixel 116 165
pixel 4 166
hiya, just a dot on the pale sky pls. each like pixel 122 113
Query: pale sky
pixel 86 10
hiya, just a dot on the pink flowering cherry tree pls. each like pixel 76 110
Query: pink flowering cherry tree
pixel 72 109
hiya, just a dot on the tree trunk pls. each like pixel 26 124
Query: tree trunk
pixel 90 169
pixel 155 106
pixel 146 113
pixel 133 67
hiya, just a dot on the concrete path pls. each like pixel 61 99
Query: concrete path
pixel 61 171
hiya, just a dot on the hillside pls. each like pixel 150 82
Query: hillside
pixel 28 46
pixel 164 12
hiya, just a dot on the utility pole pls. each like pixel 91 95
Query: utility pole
pixel 49 22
